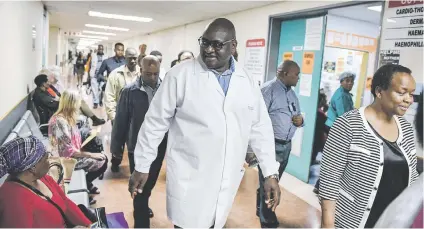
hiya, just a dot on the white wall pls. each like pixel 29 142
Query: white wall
pixel 19 63
pixel 249 24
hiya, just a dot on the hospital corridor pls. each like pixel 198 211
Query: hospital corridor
pixel 203 114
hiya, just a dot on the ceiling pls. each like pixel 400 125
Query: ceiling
pixel 73 15
pixel 359 12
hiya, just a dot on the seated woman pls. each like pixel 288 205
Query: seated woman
pixel 66 139
pixel 29 197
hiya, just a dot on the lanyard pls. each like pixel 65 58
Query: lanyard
pixel 68 224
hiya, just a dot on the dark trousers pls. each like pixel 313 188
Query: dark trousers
pixel 141 200
pixel 91 176
pixel 117 161
pixel 266 215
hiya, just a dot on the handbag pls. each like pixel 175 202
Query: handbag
pixel 96 215
pixel 61 170
pixel 68 224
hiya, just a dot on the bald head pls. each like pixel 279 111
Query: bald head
pixel 131 58
pixel 130 52
pixel 217 44
pixel 222 25
pixel 288 73
pixel 150 66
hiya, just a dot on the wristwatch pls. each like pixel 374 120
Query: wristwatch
pixel 273 176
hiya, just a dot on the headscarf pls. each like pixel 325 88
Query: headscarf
pixel 344 75
pixel 20 154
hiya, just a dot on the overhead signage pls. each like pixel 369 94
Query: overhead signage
pixel 404 24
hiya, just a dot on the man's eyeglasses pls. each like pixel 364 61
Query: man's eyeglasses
pixel 217 45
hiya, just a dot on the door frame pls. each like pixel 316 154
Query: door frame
pixel 274 30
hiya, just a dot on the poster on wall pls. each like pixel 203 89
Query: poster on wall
pixel 287 56
pixel 404 27
pixel 305 85
pixel 313 34
pixel 329 66
pixel 308 62
pixel 389 57
pixel 254 61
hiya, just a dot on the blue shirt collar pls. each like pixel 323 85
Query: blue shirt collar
pixel 282 84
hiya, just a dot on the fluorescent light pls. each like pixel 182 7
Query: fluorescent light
pixel 119 17
pixel 106 27
pixel 99 33
pixel 95 37
pixel 391 20
pixel 375 8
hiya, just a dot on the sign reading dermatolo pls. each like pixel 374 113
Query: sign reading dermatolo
pixel 254 61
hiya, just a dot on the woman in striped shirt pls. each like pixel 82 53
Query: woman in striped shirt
pixel 369 157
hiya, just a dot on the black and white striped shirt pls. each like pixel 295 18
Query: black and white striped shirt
pixel 353 163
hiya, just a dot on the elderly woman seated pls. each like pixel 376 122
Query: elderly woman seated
pixel 29 197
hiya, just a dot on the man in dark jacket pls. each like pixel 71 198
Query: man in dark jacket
pixel 45 103
pixel 131 109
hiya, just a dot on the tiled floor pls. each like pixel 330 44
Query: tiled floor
pixel 292 212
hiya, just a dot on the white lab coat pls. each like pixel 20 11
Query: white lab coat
pixel 207 141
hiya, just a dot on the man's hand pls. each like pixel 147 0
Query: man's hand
pixel 297 120
pixel 137 182
pixel 272 193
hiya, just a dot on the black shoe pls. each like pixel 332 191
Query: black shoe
pixel 101 104
pixel 95 106
pixel 151 213
pixel 270 225
pixel 101 176
pixel 316 191
pixel 97 121
pixel 92 200
pixel 114 168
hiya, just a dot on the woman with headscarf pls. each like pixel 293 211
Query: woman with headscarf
pixel 30 198
pixel 369 157
pixel 65 138
pixel 341 101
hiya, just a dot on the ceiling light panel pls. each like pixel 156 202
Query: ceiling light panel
pixel 375 8
pixel 98 33
pixel 118 17
pixel 106 27
pixel 94 37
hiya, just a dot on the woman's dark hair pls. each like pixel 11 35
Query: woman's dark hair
pixel 173 63
pixel 182 52
pixel 384 75
pixel 419 120
pixel 40 79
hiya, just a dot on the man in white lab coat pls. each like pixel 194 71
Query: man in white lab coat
pixel 212 109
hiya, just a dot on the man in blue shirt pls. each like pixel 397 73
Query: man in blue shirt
pixel 284 111
pixel 111 64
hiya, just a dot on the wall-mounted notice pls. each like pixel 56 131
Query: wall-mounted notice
pixel 389 57
pixel 305 85
pixel 308 62
pixel 287 56
pixel 404 27
pixel 254 61
pixel 313 34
